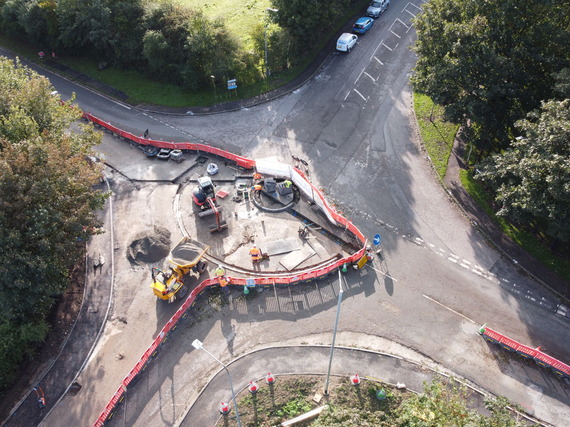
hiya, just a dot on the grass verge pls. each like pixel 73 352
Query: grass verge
pixel 526 240
pixel 437 134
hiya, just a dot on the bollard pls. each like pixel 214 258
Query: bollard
pixel 253 387
pixel 344 269
pixel 224 408
pixel 482 329
pixel 246 290
pixel 269 378
pixel 355 379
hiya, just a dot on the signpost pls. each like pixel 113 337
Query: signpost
pixel 377 240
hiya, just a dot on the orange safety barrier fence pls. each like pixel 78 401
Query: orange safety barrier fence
pixel 543 359
pixel 182 312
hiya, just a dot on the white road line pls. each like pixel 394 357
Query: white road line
pixel 452 260
pixel 380 62
pixel 402 22
pixel 347 95
pixel 386 46
pixel 395 34
pixel 359 76
pixel 362 96
pixel 371 78
pixel 465 266
pixel 450 309
pixel 376 50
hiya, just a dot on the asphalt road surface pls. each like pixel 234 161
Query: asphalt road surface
pixel 439 280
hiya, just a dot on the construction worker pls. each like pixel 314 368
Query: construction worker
pixel 224 283
pixel 220 271
pixel 255 254
pixel 41 397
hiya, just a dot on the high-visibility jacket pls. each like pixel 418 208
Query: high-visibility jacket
pixel 223 281
pixel 255 254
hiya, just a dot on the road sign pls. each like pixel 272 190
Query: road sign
pixel 250 283
pixel 232 84
pixel 377 240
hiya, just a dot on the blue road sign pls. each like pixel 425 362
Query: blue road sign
pixel 377 240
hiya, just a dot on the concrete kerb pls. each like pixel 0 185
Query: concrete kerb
pixel 448 374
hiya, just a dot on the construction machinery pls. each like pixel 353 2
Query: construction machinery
pixel 205 196
pixel 185 258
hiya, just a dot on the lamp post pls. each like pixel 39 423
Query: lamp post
pixel 197 344
pixel 265 37
pixel 334 332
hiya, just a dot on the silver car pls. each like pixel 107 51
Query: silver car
pixel 377 7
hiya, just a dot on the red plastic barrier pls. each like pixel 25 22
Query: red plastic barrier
pixel 190 301
pixel 541 358
pixel 108 413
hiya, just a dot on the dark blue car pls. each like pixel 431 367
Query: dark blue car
pixel 362 25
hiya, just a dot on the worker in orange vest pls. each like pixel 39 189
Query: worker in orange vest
pixel 255 254
pixel 223 283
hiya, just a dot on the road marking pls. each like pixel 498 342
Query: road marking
pixel 362 96
pixel 402 22
pixel 376 50
pixel 450 309
pixel 380 62
pixel 387 47
pixel 347 95
pixel 371 78
pixel 359 76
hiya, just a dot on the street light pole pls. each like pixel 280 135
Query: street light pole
pixel 197 344
pixel 334 332
pixel 265 38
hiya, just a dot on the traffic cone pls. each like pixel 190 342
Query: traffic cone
pixel 344 269
pixel 482 329
pixel 355 379
pixel 224 408
pixel 269 378
pixel 253 387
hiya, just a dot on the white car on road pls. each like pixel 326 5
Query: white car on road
pixel 346 42
pixel 377 7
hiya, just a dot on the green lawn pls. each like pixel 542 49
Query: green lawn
pixel 437 134
pixel 239 16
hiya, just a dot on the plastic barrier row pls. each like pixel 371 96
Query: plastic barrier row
pixel 241 161
pixel 183 312
pixel 559 368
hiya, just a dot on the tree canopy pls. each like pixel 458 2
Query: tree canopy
pixel 490 63
pixel 532 177
pixel 47 205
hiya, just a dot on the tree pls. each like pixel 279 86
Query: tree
pixel 307 21
pixel 47 204
pixel 491 63
pixel 531 179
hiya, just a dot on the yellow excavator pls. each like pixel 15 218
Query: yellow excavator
pixel 185 258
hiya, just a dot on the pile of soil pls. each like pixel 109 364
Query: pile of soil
pixel 148 248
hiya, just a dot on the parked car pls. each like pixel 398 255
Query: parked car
pixel 362 25
pixel 377 7
pixel 346 42
pixel 163 154
pixel 151 151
